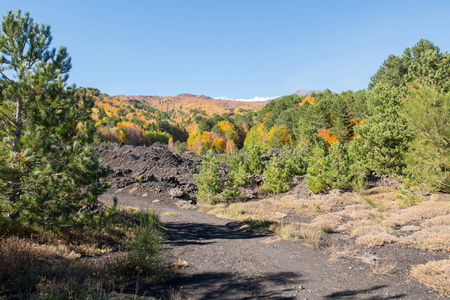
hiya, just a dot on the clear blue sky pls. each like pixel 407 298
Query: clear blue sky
pixel 233 49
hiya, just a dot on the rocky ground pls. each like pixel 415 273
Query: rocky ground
pixel 150 172
pixel 221 259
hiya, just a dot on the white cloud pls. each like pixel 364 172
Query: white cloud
pixel 255 99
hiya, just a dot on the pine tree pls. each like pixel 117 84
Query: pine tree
pixel 382 140
pixel 48 172
pixel 208 179
pixel 428 158
pixel 329 171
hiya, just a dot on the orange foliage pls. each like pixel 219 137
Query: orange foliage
pixel 326 135
pixel 356 122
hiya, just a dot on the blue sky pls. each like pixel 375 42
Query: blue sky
pixel 233 49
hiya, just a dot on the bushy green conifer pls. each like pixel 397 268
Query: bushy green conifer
pixel 48 172
pixel 238 170
pixel 208 179
pixel 281 168
pixel 329 171
pixel 428 157
pixel 382 140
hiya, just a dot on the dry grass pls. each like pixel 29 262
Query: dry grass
pixel 323 227
pixel 327 220
pixel 378 190
pixel 437 221
pixel 372 235
pixel 373 216
pixel 434 273
pixel 284 231
pixel 170 214
pixel 266 209
pixel 19 257
pixel 436 238
pixel 309 234
pixel 65 265
pixel 375 239
pixel 420 212
pixel 180 264
pixel 367 257
pixel 346 250
pixel 176 295
pixel 384 267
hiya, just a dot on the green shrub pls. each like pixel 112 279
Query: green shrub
pixel 208 179
pixel 156 136
pixel 359 183
pixel 253 159
pixel 407 195
pixel 178 148
pixel 237 170
pixel 231 193
pixel 280 170
pixel 329 171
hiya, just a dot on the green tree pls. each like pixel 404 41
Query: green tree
pixel 424 63
pixel 254 160
pixel 237 170
pixel 208 179
pixel 428 158
pixel 47 170
pixel 384 136
pixel 329 171
pixel 281 168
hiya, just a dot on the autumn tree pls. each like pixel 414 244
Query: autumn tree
pixel 48 172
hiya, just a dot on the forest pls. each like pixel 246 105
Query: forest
pixel 397 126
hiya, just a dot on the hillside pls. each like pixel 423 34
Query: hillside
pixel 187 102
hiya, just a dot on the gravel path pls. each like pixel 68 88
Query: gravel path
pixel 227 263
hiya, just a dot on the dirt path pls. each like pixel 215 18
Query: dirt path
pixel 226 263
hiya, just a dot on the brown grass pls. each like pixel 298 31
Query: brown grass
pixel 331 219
pixel 266 209
pixel 383 267
pixel 378 190
pixel 170 214
pixel 346 250
pixel 284 231
pixel 377 239
pixel 19 257
pixel 436 238
pixel 420 212
pixel 180 264
pixel 323 227
pixel 373 216
pixel 437 221
pixel 65 265
pixel 434 273
pixel 309 234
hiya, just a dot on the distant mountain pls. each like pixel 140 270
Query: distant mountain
pixel 186 102
pixel 307 92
